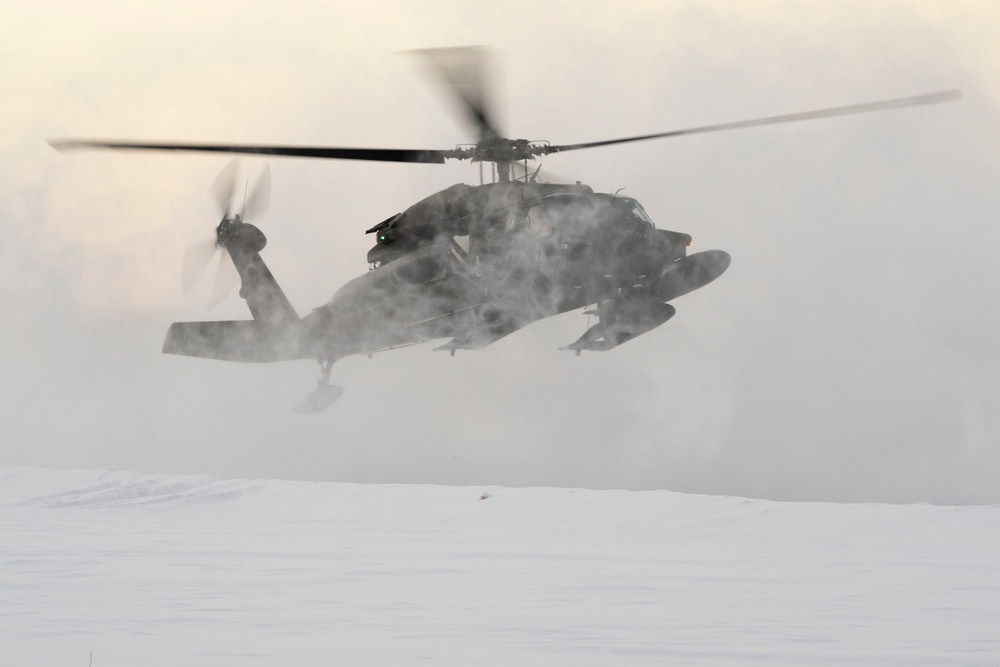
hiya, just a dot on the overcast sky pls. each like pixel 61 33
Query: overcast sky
pixel 850 353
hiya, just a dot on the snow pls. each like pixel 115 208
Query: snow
pixel 174 570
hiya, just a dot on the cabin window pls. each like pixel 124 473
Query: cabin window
pixel 514 223
pixel 541 221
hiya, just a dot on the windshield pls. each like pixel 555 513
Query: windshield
pixel 635 208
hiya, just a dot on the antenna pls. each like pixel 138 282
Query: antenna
pixel 246 186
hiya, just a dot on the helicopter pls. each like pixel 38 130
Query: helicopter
pixel 471 263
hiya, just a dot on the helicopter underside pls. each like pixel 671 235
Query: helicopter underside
pixel 432 296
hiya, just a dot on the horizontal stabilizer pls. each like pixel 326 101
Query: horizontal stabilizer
pixel 242 340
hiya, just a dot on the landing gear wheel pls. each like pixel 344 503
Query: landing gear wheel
pixel 325 393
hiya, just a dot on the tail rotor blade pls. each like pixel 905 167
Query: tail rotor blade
pixel 226 280
pixel 225 186
pixel 260 198
pixel 196 260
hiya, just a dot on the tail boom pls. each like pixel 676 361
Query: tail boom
pixel 274 334
pixel 241 340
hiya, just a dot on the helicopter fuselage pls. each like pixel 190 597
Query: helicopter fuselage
pixel 471 264
pixel 476 263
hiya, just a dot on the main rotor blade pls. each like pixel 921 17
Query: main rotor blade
pixel 461 68
pixel 897 103
pixel 372 154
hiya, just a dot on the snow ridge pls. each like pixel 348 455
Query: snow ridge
pixel 119 489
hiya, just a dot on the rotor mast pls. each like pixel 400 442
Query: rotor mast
pixel 503 171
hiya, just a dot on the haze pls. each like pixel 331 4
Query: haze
pixel 849 354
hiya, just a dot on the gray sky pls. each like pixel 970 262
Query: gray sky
pixel 849 354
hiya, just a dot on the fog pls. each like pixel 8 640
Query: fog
pixel 850 353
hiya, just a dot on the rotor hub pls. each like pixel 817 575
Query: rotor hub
pixel 227 230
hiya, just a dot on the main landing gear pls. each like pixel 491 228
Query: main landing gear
pixel 325 393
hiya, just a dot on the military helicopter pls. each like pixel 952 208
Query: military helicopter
pixel 471 263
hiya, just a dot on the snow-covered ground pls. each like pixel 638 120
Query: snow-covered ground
pixel 171 570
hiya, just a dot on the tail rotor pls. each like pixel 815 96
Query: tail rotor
pixel 253 205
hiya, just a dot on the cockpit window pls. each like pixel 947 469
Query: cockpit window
pixel 635 208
